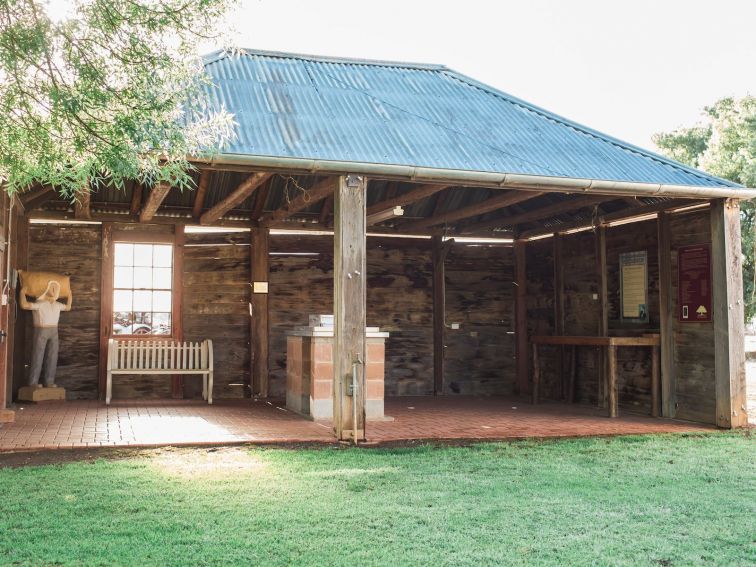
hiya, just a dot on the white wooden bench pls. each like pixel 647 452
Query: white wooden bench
pixel 129 356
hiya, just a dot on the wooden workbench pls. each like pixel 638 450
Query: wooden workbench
pixel 611 344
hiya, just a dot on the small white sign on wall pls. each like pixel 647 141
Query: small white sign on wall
pixel 260 287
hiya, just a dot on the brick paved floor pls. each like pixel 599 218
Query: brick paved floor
pixel 174 422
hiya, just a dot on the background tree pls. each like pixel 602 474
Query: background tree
pixel 725 145
pixel 110 90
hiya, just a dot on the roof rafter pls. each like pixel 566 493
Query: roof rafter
pixel 155 198
pixel 412 196
pixel 537 214
pixel 314 194
pixel 199 196
pixel 242 192
pixel 492 204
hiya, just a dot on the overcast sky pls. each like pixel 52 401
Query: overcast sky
pixel 627 68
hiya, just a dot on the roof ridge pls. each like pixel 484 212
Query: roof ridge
pixel 220 54
pixel 588 130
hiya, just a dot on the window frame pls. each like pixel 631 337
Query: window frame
pixel 129 237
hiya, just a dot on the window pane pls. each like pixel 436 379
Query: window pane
pixel 124 278
pixel 142 323
pixel 163 255
pixel 142 301
pixel 122 323
pixel 143 254
pixel 161 300
pixel 161 278
pixel 161 323
pixel 142 278
pixel 122 300
pixel 124 254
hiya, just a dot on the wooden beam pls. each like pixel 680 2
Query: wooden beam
pixel 106 304
pixel 314 194
pixel 179 239
pixel 326 210
pixel 199 196
pixel 259 322
pixel 242 192
pixel 440 250
pixel 666 317
pixel 537 214
pixel 558 251
pixel 498 202
pixel 136 199
pixel 37 197
pixel 416 194
pixel 611 217
pixel 155 198
pixel 260 199
pixel 603 313
pixel 727 314
pixel 521 316
pixel 82 209
pixel 349 283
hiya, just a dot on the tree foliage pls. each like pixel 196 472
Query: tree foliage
pixel 111 91
pixel 725 146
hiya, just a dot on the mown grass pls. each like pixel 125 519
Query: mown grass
pixel 656 500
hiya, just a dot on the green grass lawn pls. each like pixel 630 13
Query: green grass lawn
pixel 656 500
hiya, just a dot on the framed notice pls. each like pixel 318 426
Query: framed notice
pixel 694 283
pixel 634 286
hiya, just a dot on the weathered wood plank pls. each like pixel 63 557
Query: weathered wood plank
pixel 521 316
pixel 199 197
pixel 238 195
pixel 666 317
pixel 259 329
pixel 155 198
pixel 313 195
pixel 349 300
pixel 415 194
pixel 727 299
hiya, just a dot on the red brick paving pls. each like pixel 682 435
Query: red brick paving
pixel 174 422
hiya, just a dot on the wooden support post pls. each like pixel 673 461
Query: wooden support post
pixel 559 309
pixel 259 326
pixel 727 314
pixel 655 382
pixel 106 303
pixel 536 374
pixel 177 381
pixel 573 374
pixel 521 314
pixel 666 318
pixel 349 284
pixel 440 251
pixel 603 323
pixel 612 381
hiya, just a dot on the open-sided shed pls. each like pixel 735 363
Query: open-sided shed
pixel 505 249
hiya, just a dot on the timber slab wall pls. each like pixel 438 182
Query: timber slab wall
pixel 216 292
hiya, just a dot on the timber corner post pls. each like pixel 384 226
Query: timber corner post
pixel 521 316
pixel 349 300
pixel 259 320
pixel 728 314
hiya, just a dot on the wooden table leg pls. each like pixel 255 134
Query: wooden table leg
pixel 655 381
pixel 612 382
pixel 536 374
pixel 573 372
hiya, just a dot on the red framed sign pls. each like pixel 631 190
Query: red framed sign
pixel 694 283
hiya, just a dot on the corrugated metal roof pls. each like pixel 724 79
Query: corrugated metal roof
pixel 310 107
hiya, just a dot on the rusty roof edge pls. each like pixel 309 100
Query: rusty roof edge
pixel 489 179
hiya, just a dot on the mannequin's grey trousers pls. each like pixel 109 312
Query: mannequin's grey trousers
pixel 44 348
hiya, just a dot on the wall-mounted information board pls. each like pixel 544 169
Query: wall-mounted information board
pixel 634 286
pixel 694 283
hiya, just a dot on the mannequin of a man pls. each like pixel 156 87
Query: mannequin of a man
pixel 46 313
